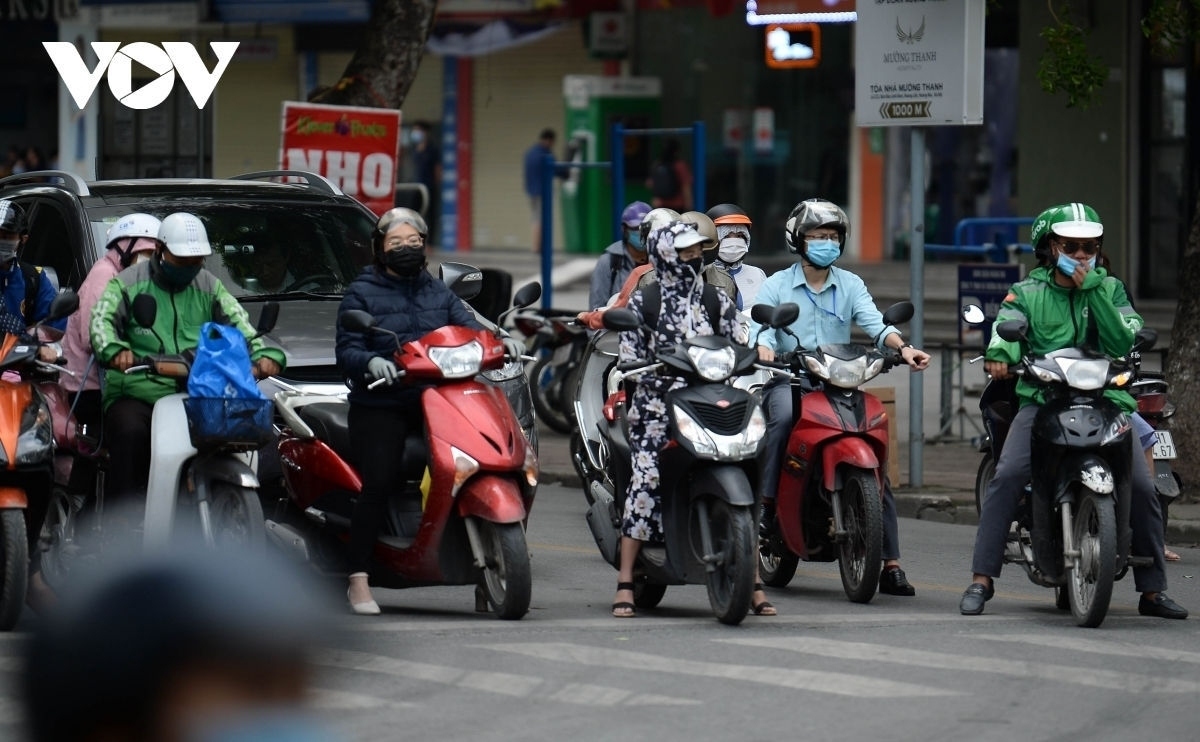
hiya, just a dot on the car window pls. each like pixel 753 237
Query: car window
pixel 51 243
pixel 264 248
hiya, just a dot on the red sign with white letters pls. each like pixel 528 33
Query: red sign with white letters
pixel 356 148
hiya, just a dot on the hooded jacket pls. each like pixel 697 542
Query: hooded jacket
pixel 612 268
pixel 1096 315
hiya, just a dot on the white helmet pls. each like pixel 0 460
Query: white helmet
pixel 135 226
pixel 656 219
pixel 184 236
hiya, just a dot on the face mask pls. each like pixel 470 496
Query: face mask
pixel 1067 264
pixel 634 239
pixel 822 253
pixel 404 262
pixel 732 249
pixel 8 250
pixel 177 277
pixel 696 264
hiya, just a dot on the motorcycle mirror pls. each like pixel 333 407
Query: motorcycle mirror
pixel 145 310
pixel 268 317
pixel 784 314
pixel 620 318
pixel 466 281
pixel 973 314
pixel 63 304
pixel 898 313
pixel 1145 339
pixel 356 320
pixel 527 294
pixel 761 313
pixel 1012 330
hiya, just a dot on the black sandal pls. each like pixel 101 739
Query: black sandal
pixel 624 605
pixel 764 608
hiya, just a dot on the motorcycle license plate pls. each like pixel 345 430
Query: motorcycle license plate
pixel 1164 446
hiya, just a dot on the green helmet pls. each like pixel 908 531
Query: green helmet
pixel 1066 220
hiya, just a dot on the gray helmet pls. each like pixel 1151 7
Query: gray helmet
pixel 813 213
pixel 655 219
pixel 12 217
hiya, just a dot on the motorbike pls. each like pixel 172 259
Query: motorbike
pixel 707 466
pixel 830 497
pixel 202 480
pixel 1072 530
pixel 26 455
pixel 558 341
pixel 466 524
pixel 1154 406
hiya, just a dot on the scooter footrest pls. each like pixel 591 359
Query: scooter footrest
pixel 1141 561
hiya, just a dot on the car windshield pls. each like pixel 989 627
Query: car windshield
pixel 270 248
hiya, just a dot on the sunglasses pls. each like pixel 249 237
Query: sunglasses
pixel 1070 247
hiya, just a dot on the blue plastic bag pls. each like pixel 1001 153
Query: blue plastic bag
pixel 222 365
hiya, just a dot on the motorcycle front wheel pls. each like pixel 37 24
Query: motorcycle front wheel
pixel 860 552
pixel 987 468
pixel 15 568
pixel 237 518
pixel 507 579
pixel 1090 582
pixel 776 564
pixel 731 584
pixel 547 387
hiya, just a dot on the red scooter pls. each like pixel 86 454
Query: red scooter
pixel 829 504
pixel 466 526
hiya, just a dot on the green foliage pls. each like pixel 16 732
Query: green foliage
pixel 1067 67
pixel 1169 24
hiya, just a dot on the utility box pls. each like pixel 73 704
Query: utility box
pixel 593 105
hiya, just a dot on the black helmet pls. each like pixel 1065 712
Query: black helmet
pixel 729 214
pixel 12 217
pixel 810 214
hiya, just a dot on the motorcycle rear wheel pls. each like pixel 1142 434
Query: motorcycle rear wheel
pixel 776 564
pixel 507 579
pixel 546 384
pixel 15 568
pixel 237 518
pixel 1090 583
pixel 987 468
pixel 647 595
pixel 860 553
pixel 731 584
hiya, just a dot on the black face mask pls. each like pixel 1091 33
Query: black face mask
pixel 404 262
pixel 696 264
pixel 177 277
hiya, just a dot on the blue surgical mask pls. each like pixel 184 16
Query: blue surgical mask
pixel 634 238
pixel 1067 264
pixel 822 253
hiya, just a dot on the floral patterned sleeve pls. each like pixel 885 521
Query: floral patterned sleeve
pixel 731 327
pixel 634 345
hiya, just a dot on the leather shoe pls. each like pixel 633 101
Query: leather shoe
pixel 974 597
pixel 893 582
pixel 1162 607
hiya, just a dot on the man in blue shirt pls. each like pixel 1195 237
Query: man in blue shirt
pixel 829 299
pixel 27 290
pixel 533 181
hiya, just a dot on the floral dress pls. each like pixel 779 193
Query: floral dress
pixel 681 315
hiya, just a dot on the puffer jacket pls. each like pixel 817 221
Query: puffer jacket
pixel 409 307
pixel 1058 318
pixel 178 321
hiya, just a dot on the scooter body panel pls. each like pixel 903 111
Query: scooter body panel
pixel 171 449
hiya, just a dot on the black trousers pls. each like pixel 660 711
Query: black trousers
pixel 377 435
pixel 127 434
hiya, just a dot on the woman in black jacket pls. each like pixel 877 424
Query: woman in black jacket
pixel 404 298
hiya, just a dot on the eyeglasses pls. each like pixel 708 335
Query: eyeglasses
pixel 411 243
pixel 827 236
pixel 1069 247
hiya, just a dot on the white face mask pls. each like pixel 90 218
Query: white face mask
pixel 141 257
pixel 733 248
pixel 8 249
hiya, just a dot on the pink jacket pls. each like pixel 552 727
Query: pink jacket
pixel 77 343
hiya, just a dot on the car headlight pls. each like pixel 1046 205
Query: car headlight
pixel 713 364
pixel 459 361
pixel 1084 374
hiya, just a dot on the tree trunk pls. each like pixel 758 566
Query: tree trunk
pixel 1182 369
pixel 385 65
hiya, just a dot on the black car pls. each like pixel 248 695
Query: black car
pixel 285 236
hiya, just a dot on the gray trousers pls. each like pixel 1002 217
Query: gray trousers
pixel 999 509
pixel 777 406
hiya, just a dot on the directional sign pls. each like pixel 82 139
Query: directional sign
pixel 919 62
pixel 912 109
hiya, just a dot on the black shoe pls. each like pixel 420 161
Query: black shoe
pixel 766 524
pixel 974 597
pixel 1161 606
pixel 893 582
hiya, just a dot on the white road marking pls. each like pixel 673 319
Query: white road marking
pixel 502 683
pixel 328 699
pixel 1094 646
pixel 821 682
pixel 1125 682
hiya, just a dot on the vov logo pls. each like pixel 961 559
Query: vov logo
pixel 117 60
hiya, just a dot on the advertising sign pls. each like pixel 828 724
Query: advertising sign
pixel 985 285
pixel 919 62
pixel 356 148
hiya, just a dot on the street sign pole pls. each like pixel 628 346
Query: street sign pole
pixel 916 389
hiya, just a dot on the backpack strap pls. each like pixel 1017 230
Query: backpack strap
pixel 33 283
pixel 652 302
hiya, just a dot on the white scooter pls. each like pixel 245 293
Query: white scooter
pixel 213 477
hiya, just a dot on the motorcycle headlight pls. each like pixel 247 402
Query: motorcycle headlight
pixel 459 361
pixel 1122 378
pixel 37 435
pixel 741 445
pixel 510 370
pixel 694 433
pixel 714 364
pixel 1045 375
pixel 842 374
pixel 1084 374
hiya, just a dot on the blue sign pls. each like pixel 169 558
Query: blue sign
pixel 449 216
pixel 985 285
pixel 291 11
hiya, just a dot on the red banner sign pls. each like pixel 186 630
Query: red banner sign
pixel 356 148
